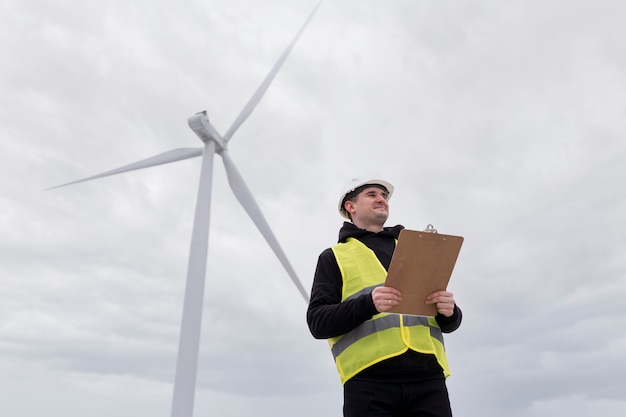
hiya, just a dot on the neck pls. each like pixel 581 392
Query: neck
pixel 368 226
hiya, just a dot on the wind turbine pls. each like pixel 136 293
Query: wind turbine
pixel 187 363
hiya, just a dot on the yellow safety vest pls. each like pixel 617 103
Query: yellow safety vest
pixel 384 335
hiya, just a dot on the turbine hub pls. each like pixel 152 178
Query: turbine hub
pixel 200 124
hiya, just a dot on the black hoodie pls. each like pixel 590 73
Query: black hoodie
pixel 328 317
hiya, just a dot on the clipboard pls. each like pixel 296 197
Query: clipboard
pixel 422 263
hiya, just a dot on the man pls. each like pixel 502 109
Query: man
pixel 389 364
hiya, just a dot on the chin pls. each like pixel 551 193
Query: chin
pixel 383 216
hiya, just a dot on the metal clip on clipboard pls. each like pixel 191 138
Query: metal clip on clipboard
pixel 430 229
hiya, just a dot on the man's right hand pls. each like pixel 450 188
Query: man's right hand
pixel 385 297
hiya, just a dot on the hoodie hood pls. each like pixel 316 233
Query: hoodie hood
pixel 350 230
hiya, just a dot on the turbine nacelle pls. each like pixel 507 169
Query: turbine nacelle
pixel 200 124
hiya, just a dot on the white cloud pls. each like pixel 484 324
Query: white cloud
pixel 498 121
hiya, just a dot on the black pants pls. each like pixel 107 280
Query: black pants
pixel 426 398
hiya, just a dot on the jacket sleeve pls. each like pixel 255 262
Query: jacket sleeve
pixel 327 316
pixel 450 324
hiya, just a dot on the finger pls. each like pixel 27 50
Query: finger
pixel 394 292
pixel 440 294
pixel 386 293
pixel 389 301
pixel 446 311
pixel 432 300
pixel 388 290
pixel 440 298
pixel 383 304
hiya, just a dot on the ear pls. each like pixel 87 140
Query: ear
pixel 349 206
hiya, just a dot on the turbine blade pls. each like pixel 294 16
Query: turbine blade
pixel 258 94
pixel 249 204
pixel 160 159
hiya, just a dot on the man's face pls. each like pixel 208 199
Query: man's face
pixel 370 207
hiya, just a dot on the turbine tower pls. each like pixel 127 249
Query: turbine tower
pixel 187 363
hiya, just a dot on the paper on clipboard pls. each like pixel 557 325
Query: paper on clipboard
pixel 422 263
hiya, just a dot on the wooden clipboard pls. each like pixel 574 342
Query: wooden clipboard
pixel 421 264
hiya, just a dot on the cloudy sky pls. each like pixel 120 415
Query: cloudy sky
pixel 502 122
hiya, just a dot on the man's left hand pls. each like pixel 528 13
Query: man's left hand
pixel 444 301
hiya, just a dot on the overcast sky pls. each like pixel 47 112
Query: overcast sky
pixel 499 121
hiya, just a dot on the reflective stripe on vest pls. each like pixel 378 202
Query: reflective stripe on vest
pixel 384 335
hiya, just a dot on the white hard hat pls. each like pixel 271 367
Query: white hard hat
pixel 356 183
